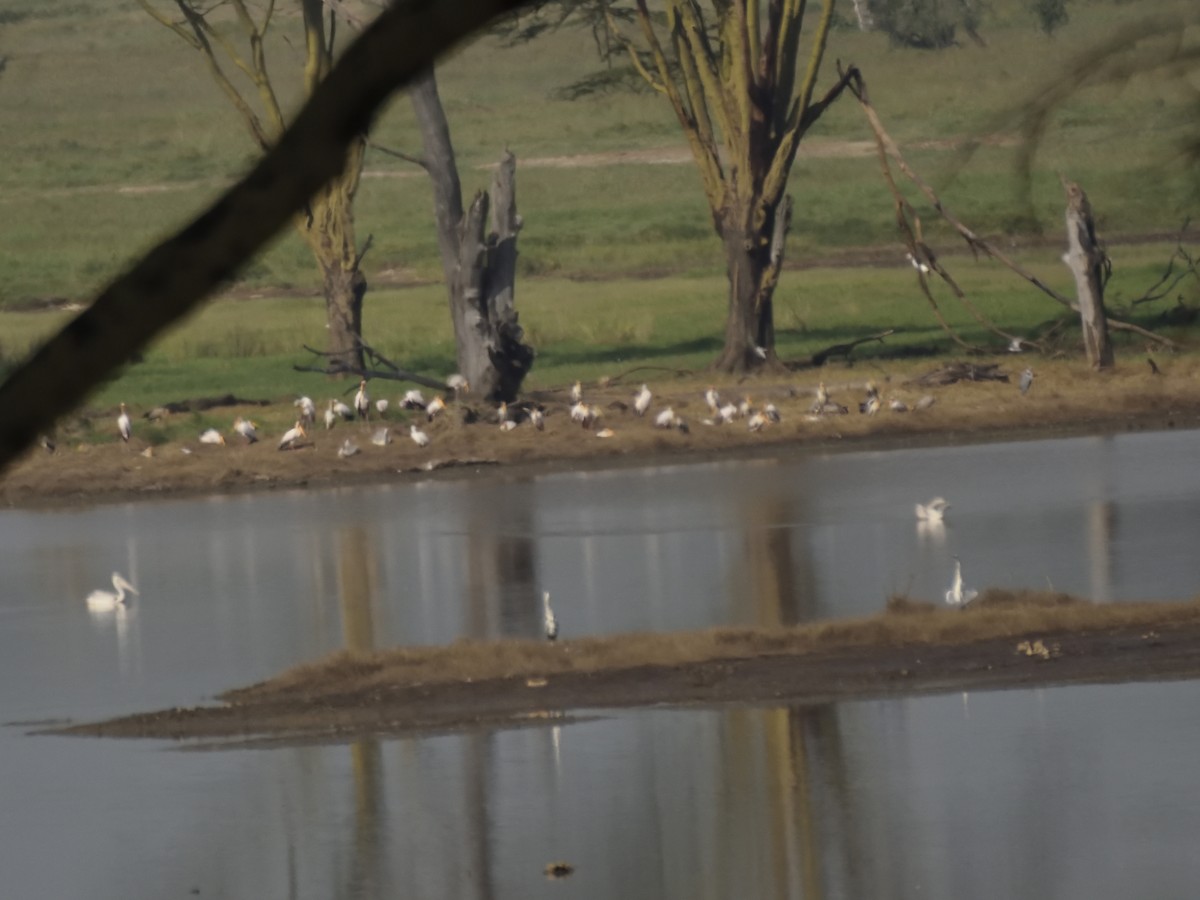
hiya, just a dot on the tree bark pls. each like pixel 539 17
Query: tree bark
pixel 480 267
pixel 753 257
pixel 1087 260
pixel 344 292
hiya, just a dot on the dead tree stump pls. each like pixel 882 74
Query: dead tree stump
pixel 1088 262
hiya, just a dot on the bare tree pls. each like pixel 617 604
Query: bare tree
pixel 326 223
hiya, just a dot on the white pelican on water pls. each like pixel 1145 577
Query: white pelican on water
pixel 641 401
pixel 362 403
pixel 933 511
pixel 420 438
pixel 549 623
pixel 246 429
pixel 212 436
pixel 957 596
pixel 103 601
pixel 292 436
pixel 123 425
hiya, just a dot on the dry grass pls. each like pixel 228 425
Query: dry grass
pixel 996 614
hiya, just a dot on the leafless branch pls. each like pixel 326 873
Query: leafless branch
pixel 415 160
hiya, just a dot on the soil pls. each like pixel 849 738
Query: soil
pixel 918 650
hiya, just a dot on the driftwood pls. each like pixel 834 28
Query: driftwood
pixel 960 371
pixel 200 404
pixel 1090 265
pixel 844 350
pixel 379 366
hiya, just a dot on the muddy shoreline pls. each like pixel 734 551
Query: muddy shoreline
pixel 931 651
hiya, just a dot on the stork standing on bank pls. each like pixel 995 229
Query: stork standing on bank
pixel 549 623
pixel 124 428
pixel 362 403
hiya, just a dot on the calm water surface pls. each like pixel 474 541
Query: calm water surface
pixel 1071 792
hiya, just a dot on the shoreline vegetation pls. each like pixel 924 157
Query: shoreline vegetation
pixel 1004 639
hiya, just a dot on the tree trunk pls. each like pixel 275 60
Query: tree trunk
pixel 480 268
pixel 344 292
pixel 487 334
pixel 754 257
pixel 1087 261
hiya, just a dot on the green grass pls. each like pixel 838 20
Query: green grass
pixel 113 135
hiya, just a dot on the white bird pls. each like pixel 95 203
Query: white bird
pixel 641 401
pixel 502 412
pixel 757 422
pixel 712 399
pixel 331 416
pixel 212 436
pixel 457 383
pixel 382 437
pixel 292 436
pixel 871 406
pixel 665 419
pixel 413 399
pixel 549 623
pixel 538 418
pixel 508 425
pixel 822 397
pixel 728 412
pixel 103 601
pixel 420 438
pixel 917 264
pixel 381 406
pixel 246 429
pixel 342 410
pixel 436 405
pixel 745 408
pixel 580 412
pixel 760 352
pixel 1026 381
pixel 957 596
pixel 577 393
pixel 1014 346
pixel 897 405
pixel 605 433
pixel 771 411
pixel 308 409
pixel 362 403
pixel 123 425
pixel 348 449
pixel 933 511
pixel 925 402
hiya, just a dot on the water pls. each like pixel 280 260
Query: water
pixel 1071 792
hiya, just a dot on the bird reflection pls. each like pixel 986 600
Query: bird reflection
pixel 932 530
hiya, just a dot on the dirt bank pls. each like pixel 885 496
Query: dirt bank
pixel 1064 400
pixel 1003 640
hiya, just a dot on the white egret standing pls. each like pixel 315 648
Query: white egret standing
pixel 957 596
pixel 420 438
pixel 1026 381
pixel 123 425
pixel 103 601
pixel 292 437
pixel 641 401
pixel 933 511
pixel 362 403
pixel 549 623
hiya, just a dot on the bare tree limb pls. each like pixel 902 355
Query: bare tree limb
pixel 415 160
pixel 174 277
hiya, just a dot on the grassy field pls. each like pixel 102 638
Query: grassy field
pixel 113 134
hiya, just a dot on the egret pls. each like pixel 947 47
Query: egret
pixel 292 436
pixel 331 417
pixel 917 264
pixel 577 393
pixel 538 418
pixel 712 399
pixel 457 383
pixel 362 403
pixel 103 601
pixel 246 429
pixel 348 449
pixel 1026 381
pixel 212 436
pixel 413 399
pixel 957 595
pixel 436 405
pixel 641 401
pixel 381 406
pixel 549 623
pixel 933 511
pixel 123 425
pixel 308 409
pixel 420 438
pixel 382 437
